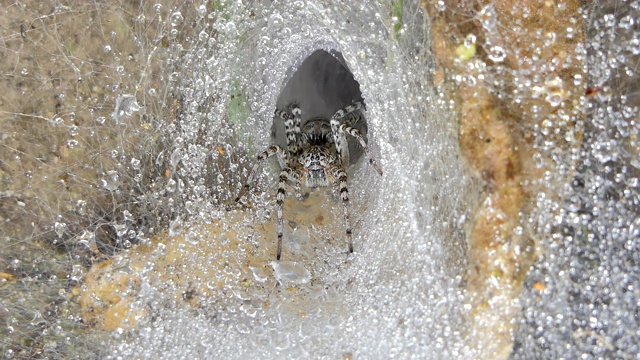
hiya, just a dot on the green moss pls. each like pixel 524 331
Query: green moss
pixel 397 6
pixel 464 52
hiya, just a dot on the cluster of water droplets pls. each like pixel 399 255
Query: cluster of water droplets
pixel 176 124
pixel 590 267
pixel 227 81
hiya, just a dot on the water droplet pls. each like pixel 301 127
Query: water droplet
pixel 72 143
pixel 570 33
pixel 127 216
pixel 77 272
pixel 497 53
pixel 203 36
pixel 554 91
pixel 101 120
pixel 192 237
pixel 15 264
pixel 111 180
pixel 440 5
pixel 157 7
pixel 275 21
pixel 230 28
pixel 121 229
pixel 57 120
pixel 107 48
pixel 135 163
pixel 258 274
pixel 469 40
pixel 176 157
pixel 224 238
pixel 290 272
pixel 171 186
pixel 126 105
pixel 201 10
pixel 470 80
pixel 176 18
pixel 60 228
pixel 175 227
pixel 120 69
pixel 605 94
pixel 80 206
pixel 487 17
pixel 626 22
pixel 24 71
pixel 73 130
pixel 577 79
pixel 634 46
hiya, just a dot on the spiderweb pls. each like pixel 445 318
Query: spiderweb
pixel 505 223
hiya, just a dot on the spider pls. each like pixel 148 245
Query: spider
pixel 316 156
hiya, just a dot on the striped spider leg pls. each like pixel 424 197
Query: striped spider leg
pixel 340 129
pixel 285 174
pixel 271 150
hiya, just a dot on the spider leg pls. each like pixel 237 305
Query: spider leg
pixel 292 129
pixel 344 128
pixel 271 150
pixel 298 179
pixel 340 178
pixel 357 105
pixel 280 196
pixel 297 119
pixel 298 190
pixel 342 147
pixel 285 174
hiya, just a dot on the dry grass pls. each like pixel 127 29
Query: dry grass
pixel 64 67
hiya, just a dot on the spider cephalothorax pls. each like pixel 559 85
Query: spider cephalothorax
pixel 316 155
pixel 315 162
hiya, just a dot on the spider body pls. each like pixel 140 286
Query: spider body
pixel 316 155
pixel 315 162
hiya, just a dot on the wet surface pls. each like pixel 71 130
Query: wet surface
pixel 505 222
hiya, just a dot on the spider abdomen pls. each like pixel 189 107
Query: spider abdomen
pixel 316 178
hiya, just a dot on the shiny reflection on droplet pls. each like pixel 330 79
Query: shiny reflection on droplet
pixel 290 272
pixel 176 18
pixel 469 40
pixel 111 180
pixel 487 17
pixel 554 91
pixel 497 54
